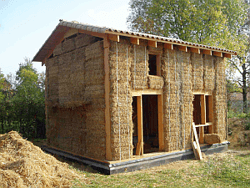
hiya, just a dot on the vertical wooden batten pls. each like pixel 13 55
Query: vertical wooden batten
pixel 160 122
pixel 106 46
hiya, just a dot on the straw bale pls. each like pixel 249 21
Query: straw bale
pixel 209 72
pixel 84 40
pixel 212 138
pixel 197 64
pixel 68 45
pixel 58 50
pixel 155 82
pixel 94 50
pixel 24 165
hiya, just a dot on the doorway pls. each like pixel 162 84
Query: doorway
pixel 147 129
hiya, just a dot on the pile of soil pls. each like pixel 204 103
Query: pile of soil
pixel 23 164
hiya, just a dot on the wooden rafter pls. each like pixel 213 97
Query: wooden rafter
pixel 169 46
pixel 218 54
pixel 152 43
pixel 182 48
pixel 227 55
pixel 208 52
pixel 115 38
pixel 195 50
pixel 134 41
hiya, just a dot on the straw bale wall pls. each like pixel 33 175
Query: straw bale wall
pixel 209 73
pixel 75 97
pixel 198 72
pixel 120 59
pixel 139 67
pixel 219 99
pixel 177 99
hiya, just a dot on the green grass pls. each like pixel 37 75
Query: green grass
pixel 231 170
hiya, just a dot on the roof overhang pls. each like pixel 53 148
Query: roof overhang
pixel 65 29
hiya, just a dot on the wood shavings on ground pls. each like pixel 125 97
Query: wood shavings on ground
pixel 24 165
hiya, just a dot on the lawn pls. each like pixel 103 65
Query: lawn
pixel 228 169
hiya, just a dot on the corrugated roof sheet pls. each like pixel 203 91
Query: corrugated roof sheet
pixel 64 26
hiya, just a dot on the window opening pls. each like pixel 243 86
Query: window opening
pixel 152 63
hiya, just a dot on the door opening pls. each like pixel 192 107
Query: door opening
pixel 150 123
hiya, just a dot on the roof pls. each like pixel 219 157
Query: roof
pixel 64 26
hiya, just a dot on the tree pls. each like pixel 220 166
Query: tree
pixel 218 23
pixel 210 22
pixel 29 100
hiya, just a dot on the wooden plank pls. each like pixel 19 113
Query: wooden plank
pixel 160 122
pixel 218 54
pixel 140 126
pixel 152 43
pixel 198 149
pixel 169 46
pixel 182 48
pixel 115 38
pixel 134 41
pixel 227 55
pixel 158 65
pixel 210 103
pixel 195 50
pixel 203 117
pixel 208 52
pixel 106 45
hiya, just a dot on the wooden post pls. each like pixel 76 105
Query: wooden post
pixel 106 45
pixel 160 122
pixel 139 149
pixel 203 118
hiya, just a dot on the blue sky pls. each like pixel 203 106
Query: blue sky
pixel 26 24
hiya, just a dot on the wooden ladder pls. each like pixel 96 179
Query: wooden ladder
pixel 195 143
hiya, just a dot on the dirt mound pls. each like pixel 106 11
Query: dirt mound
pixel 24 165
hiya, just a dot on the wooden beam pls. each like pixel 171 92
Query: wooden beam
pixel 227 55
pixel 203 117
pixel 158 65
pixel 208 52
pixel 139 149
pixel 182 48
pixel 160 122
pixel 106 45
pixel 152 43
pixel 134 41
pixel 195 50
pixel 169 46
pixel 195 143
pixel 218 54
pixel 115 38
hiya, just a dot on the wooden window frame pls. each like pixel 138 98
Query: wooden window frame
pixel 158 62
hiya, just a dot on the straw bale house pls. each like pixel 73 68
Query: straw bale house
pixel 115 99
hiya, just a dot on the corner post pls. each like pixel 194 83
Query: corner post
pixel 106 45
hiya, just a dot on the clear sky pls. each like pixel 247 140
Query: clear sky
pixel 26 24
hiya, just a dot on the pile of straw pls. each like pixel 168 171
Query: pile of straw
pixel 24 165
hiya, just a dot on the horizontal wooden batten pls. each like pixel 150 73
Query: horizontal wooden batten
pixel 115 38
pixel 168 46
pixel 134 41
pixel 152 43
pixel 218 54
pixel 195 50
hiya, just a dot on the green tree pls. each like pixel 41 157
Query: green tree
pixel 218 23
pixel 29 100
